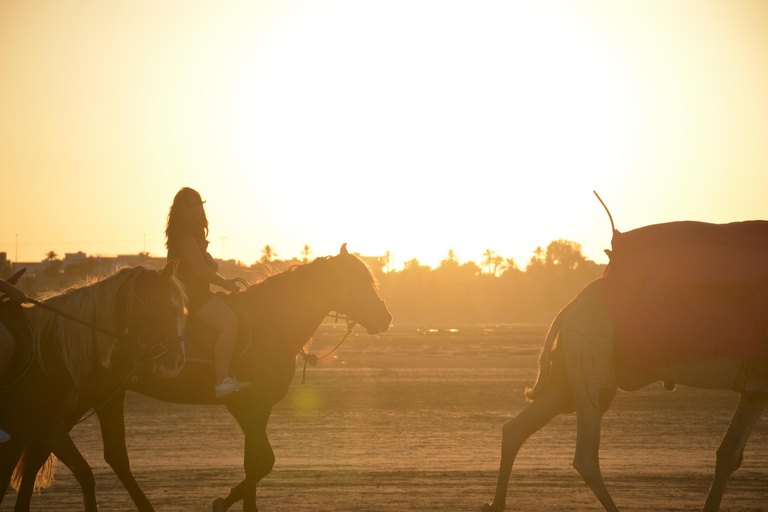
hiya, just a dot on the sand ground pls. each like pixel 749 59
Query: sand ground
pixel 412 421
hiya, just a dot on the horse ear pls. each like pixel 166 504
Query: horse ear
pixel 15 277
pixel 343 249
pixel 170 269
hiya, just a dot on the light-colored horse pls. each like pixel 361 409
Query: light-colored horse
pixel 583 373
pixel 87 341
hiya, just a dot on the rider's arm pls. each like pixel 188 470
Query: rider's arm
pixel 194 257
pixel 12 292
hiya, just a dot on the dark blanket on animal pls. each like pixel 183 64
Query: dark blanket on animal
pixel 688 291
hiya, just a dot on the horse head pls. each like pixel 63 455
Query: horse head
pixel 358 295
pixel 156 319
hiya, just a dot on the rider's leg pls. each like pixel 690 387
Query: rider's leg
pixel 216 314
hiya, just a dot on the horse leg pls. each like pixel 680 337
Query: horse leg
pixel 587 458
pixel 112 421
pixel 731 450
pixel 556 399
pixel 59 442
pixel 35 457
pixel 591 373
pixel 259 457
pixel 263 466
pixel 235 494
pixel 10 453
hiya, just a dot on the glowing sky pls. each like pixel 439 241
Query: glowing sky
pixel 409 126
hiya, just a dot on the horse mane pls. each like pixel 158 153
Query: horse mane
pixel 282 282
pixel 299 269
pixel 78 347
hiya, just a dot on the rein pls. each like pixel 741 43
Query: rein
pixel 34 345
pixel 312 359
pixel 70 317
pixel 157 350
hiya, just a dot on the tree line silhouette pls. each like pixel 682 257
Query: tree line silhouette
pixel 496 289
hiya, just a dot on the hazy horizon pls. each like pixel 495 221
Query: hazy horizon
pixel 410 127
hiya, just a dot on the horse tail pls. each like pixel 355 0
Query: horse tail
pixel 544 363
pixel 44 477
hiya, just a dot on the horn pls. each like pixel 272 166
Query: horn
pixel 170 269
pixel 343 249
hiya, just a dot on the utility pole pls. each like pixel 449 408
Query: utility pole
pixel 17 249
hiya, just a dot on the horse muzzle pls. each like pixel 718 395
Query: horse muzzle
pixel 379 326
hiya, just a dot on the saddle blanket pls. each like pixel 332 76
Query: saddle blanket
pixel 688 291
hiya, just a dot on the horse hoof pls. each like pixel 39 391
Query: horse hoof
pixel 218 505
pixel 489 508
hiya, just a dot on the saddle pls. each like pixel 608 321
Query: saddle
pixel 200 340
pixel 688 291
pixel 12 317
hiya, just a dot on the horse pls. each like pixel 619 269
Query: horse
pixel 82 342
pixel 282 313
pixel 583 372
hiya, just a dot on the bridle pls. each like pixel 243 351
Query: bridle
pixel 312 359
pixel 159 349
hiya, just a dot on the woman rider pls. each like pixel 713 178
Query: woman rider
pixel 186 242
pixel 7 343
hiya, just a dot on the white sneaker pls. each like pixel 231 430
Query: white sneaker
pixel 230 385
pixel 4 437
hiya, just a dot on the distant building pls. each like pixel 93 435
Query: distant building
pixel 33 267
pixel 5 265
pixel 73 258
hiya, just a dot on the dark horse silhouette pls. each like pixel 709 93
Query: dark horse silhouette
pixel 283 311
pixel 136 317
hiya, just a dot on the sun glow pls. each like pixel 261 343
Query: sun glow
pixel 409 127
pixel 427 131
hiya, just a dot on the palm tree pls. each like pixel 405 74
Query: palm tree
pixel 488 257
pixel 450 262
pixel 305 253
pixel 54 264
pixel 498 264
pixel 268 254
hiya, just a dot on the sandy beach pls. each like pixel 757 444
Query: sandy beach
pixel 412 421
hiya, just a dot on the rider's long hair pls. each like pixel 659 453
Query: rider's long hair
pixel 178 226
